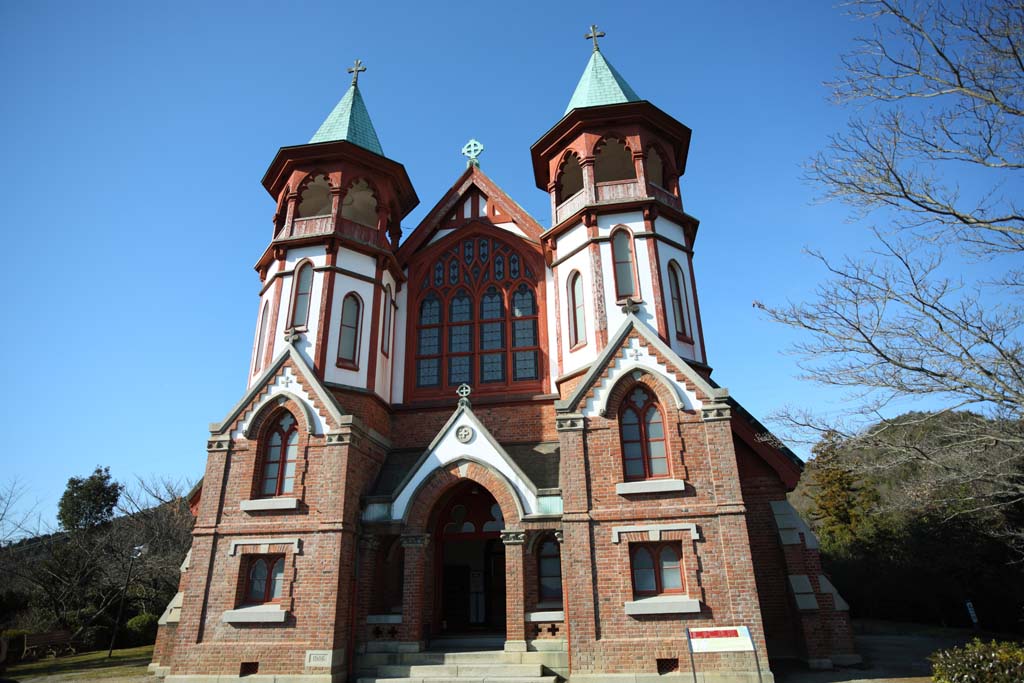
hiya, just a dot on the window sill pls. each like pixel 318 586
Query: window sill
pixel 553 615
pixel 256 614
pixel 663 604
pixel 259 504
pixel 577 346
pixel 683 338
pixel 345 365
pixel 650 486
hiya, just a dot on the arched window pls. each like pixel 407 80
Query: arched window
pixel 679 308
pixel 385 342
pixel 359 204
pixel 656 568
pixel 622 257
pixel 570 178
pixel 613 161
pixel 315 198
pixel 280 455
pixel 261 339
pixel 577 324
pixel 655 168
pixel 303 292
pixel 642 433
pixel 265 580
pixel 428 346
pixel 524 334
pixel 348 340
pixel 549 569
pixel 460 338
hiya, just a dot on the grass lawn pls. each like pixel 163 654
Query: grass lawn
pixel 129 662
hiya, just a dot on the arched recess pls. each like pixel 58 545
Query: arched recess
pixel 654 167
pixel 570 177
pixel 360 203
pixel 314 196
pixel 417 514
pixel 613 160
pixel 606 398
pixel 269 411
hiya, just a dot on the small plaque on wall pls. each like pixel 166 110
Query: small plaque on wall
pixel 319 659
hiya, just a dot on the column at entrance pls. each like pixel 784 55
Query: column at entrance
pixel 414 589
pixel 515 598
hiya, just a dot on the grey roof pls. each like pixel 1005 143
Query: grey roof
pixel 538 461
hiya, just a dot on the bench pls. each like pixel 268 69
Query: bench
pixel 54 643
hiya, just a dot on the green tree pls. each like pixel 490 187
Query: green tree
pixel 842 504
pixel 88 501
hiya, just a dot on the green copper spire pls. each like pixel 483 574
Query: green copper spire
pixel 350 120
pixel 600 83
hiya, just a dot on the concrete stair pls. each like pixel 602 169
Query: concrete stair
pixel 486 666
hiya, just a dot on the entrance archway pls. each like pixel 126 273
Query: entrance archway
pixel 470 563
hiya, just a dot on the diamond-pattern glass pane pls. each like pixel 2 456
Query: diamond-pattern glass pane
pixel 430 341
pixel 460 338
pixel 492 367
pixel 428 372
pixel 460 370
pixel 525 365
pixel 492 336
pixel 461 308
pixel 524 333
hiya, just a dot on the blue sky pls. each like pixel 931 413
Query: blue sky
pixel 135 136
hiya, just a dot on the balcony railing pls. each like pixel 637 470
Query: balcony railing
pixel 570 206
pixel 619 189
pixel 314 225
pixel 664 196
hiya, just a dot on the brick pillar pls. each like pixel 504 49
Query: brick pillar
pixel 577 568
pixel 515 598
pixel 368 548
pixel 414 614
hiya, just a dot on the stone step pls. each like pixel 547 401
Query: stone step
pixel 372 659
pixel 459 670
pixel 462 679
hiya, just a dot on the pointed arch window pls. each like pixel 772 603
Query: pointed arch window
pixel 428 343
pixel 303 293
pixel 348 339
pixel 385 342
pixel 642 434
pixel 577 319
pixel 265 579
pixel 280 456
pixel 622 257
pixel 261 339
pixel 680 311
pixel 549 569
pixel 656 568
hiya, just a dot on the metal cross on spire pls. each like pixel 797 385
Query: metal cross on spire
pixel 355 70
pixel 472 150
pixel 594 35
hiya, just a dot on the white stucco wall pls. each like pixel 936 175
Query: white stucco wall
pixel 343 284
pixel 399 360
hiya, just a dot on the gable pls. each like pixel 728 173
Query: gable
pixel 473 199
pixel 288 377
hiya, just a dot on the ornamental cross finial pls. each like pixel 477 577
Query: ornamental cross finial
pixel 594 35
pixel 471 150
pixel 355 70
pixel 464 391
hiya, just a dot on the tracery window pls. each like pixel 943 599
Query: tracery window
pixel 577 324
pixel 302 293
pixel 264 581
pixel 613 161
pixel 549 569
pixel 656 568
pixel 348 339
pixel 679 308
pixel 315 198
pixel 478 318
pixel 280 456
pixel 570 178
pixel 622 257
pixel 642 435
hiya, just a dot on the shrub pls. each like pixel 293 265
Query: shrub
pixel 15 643
pixel 142 628
pixel 979 662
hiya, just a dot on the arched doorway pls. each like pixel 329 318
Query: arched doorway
pixel 470 561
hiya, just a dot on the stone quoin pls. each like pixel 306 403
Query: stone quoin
pixel 492 435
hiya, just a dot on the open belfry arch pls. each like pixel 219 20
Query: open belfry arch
pixel 492 434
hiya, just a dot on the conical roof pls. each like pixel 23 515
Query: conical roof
pixel 350 121
pixel 600 84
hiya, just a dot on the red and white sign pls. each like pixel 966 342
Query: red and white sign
pixel 721 639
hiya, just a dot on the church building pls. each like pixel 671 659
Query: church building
pixel 494 450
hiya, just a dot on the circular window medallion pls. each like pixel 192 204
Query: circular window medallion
pixel 464 433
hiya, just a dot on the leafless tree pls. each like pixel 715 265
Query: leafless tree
pixel 935 154
pixel 16 516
